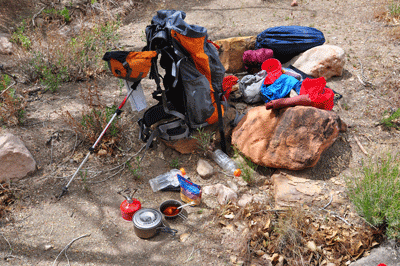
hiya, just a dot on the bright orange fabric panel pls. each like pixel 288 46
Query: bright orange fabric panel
pixel 195 46
pixel 140 62
pixel 117 66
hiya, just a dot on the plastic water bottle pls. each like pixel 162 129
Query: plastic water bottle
pixel 167 179
pixel 226 163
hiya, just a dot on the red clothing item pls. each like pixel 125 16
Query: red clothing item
pixel 227 84
pixel 320 96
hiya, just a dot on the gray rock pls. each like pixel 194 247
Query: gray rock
pixel 224 194
pixel 204 169
pixel 6 47
pixel 387 253
pixel 15 159
pixel 245 199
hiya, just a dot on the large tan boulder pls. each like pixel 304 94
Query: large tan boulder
pixel 292 138
pixel 321 61
pixel 15 159
pixel 231 52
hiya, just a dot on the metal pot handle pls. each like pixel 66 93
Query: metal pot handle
pixel 168 230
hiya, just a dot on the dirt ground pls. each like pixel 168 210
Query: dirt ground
pixel 40 226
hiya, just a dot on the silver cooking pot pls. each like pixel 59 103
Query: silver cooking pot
pixel 148 222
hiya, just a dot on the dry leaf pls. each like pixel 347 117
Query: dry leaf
pixel 267 224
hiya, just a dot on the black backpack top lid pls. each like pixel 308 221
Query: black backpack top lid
pixel 289 41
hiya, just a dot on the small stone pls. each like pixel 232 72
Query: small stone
pixel 204 169
pixel 233 258
pixel 47 247
pixel 294 3
pixel 184 237
pixel 311 246
pixel 260 252
pixel 244 200
pixel 102 152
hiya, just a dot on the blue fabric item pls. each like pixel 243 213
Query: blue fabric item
pixel 279 89
pixel 289 41
pixel 297 87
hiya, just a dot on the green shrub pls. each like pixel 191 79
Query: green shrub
pixel 5 81
pixel 389 122
pixel 12 105
pixel 376 196
pixel 203 139
pixel 20 37
pixel 50 75
pixel 61 14
pixel 73 59
pixel 246 166
pixel 394 8
pixel 175 163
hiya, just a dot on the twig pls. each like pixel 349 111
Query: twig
pixel 67 247
pixel 8 88
pixel 123 165
pixel 14 78
pixel 361 147
pixel 271 210
pixel 34 16
pixel 51 154
pixel 337 216
pixel 8 255
pixel 341 218
pixel 190 256
pixel 120 170
pixel 329 203
pixel 51 231
pixel 363 80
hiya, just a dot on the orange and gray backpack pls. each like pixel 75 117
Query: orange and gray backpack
pixel 192 78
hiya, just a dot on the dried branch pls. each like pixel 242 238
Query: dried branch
pixel 67 247
pixel 8 255
pixel 361 147
pixel 34 16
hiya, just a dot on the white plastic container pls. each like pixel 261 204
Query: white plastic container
pixel 226 163
pixel 164 180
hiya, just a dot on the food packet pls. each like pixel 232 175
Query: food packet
pixel 190 192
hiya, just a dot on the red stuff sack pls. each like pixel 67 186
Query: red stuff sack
pixel 320 96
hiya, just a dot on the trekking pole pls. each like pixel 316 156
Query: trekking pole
pixel 91 149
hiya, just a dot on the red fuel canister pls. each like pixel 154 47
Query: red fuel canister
pixel 129 207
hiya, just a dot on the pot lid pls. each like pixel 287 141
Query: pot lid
pixel 147 218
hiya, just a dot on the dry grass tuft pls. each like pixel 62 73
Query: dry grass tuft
pixel 93 119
